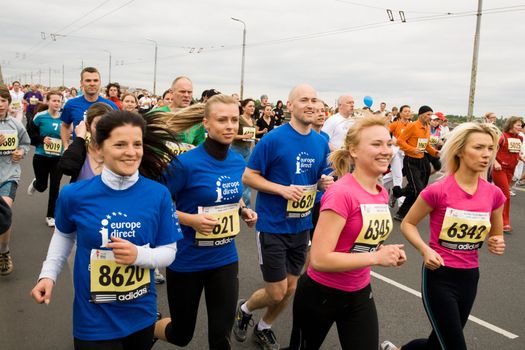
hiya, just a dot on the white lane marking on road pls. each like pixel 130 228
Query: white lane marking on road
pixel 472 318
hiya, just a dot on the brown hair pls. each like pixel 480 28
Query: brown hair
pixel 88 70
pixel 509 123
pixel 4 93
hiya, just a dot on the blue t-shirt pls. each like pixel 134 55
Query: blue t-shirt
pixel 197 179
pixel 75 110
pixel 286 157
pixel 48 126
pixel 142 214
pixel 326 171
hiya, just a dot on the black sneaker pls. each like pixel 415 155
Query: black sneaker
pixel 397 192
pixel 266 339
pixel 241 322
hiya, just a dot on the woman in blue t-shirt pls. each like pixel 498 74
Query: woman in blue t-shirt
pixel 44 131
pixel 206 183
pixel 118 242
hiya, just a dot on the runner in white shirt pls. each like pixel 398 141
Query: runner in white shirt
pixel 337 125
pixel 17 96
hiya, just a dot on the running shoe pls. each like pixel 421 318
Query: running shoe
pixel 241 322
pixel 31 189
pixel 6 264
pixel 386 345
pixel 50 222
pixel 507 229
pixel 266 338
pixel 159 278
pixel 512 193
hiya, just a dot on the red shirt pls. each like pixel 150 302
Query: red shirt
pixel 509 152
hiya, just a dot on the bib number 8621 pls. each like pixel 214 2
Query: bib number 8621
pixel 304 202
pixel 224 226
pixel 463 230
pixel 134 274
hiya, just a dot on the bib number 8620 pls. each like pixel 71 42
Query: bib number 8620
pixel 463 230
pixel 134 274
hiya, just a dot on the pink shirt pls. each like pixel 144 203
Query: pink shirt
pixel 446 193
pixel 345 198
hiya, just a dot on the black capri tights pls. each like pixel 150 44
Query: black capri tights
pixel 448 296
pixel 316 307
pixel 221 289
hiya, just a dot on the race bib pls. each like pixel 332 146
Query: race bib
pixel 10 143
pixel 303 207
pixel 225 231
pixel 464 230
pixel 54 148
pixel 514 145
pixel 377 225
pixel 433 140
pixel 422 143
pixel 248 130
pixel 33 100
pixel 180 148
pixel 15 105
pixel 112 282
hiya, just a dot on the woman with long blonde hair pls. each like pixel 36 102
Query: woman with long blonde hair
pixel 464 209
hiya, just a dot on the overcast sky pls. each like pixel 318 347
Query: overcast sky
pixel 336 46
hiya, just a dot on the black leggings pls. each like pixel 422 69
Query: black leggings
pixel 140 340
pixel 316 307
pixel 417 171
pixel 448 296
pixel 44 168
pixel 221 289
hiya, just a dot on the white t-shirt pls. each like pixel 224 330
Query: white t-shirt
pixel 336 127
pixel 16 97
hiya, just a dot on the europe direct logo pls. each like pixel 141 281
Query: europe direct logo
pixel 226 189
pixel 303 163
pixel 118 225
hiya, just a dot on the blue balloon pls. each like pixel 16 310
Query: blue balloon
pixel 369 101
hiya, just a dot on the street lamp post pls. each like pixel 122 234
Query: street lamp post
pixel 243 53
pixel 109 65
pixel 154 67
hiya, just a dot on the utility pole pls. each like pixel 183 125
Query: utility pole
pixel 474 71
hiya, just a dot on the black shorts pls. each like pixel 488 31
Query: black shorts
pixel 281 254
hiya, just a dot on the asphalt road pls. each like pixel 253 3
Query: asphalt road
pixel 500 301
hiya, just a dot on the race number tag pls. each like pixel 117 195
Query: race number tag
pixel 15 105
pixel 10 143
pixel 514 145
pixel 422 143
pixel 33 100
pixel 227 228
pixel 112 282
pixel 433 140
pixel 303 207
pixel 464 230
pixel 180 148
pixel 377 225
pixel 54 148
pixel 248 130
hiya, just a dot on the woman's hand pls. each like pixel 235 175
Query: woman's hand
pixel 81 130
pixel 203 223
pixel 43 290
pixel 124 251
pixel 496 244
pixel 390 255
pixel 47 140
pixel 432 259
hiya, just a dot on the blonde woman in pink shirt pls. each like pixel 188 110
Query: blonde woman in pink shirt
pixel 353 225
pixel 464 209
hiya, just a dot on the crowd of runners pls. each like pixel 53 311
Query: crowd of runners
pixel 165 181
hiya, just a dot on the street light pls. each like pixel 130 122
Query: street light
pixel 154 67
pixel 243 53
pixel 109 65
